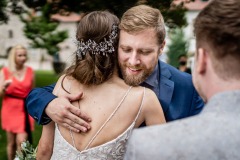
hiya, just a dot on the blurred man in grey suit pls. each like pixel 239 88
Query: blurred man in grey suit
pixel 213 134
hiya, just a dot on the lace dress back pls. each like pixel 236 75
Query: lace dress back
pixel 111 150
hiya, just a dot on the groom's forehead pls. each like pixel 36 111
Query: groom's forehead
pixel 148 32
pixel 146 39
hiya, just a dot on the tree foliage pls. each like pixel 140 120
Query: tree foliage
pixel 174 15
pixel 12 6
pixel 65 6
pixel 42 31
pixel 178 46
pixel 3 15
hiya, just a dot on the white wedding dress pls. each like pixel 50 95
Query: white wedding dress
pixel 112 150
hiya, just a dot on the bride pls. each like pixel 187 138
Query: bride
pixel 115 107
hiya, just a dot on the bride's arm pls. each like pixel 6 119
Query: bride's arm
pixel 46 142
pixel 152 109
pixel 45 145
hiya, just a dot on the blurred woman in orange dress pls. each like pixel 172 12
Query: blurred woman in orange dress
pixel 16 81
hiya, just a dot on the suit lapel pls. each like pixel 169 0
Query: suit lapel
pixel 166 86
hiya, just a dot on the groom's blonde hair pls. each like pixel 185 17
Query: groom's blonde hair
pixel 142 17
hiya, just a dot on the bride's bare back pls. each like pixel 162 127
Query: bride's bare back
pixel 99 102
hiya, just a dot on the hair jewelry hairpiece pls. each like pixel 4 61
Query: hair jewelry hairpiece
pixel 103 47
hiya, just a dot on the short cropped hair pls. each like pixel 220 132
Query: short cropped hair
pixel 142 17
pixel 218 27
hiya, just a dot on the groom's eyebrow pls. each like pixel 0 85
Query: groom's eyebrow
pixel 122 45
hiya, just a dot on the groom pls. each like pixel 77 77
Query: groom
pixel 141 42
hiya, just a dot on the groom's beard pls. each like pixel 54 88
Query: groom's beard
pixel 137 78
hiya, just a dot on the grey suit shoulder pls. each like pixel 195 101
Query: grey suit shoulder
pixel 213 134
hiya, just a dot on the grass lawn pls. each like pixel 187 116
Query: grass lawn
pixel 43 78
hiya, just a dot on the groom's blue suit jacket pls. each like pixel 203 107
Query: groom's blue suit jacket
pixel 176 94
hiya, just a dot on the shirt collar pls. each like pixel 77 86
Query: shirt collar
pixel 153 79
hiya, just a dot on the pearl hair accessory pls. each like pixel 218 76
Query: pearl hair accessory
pixel 105 47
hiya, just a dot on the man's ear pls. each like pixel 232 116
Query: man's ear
pixel 162 47
pixel 201 60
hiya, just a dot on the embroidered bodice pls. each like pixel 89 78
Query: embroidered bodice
pixel 111 150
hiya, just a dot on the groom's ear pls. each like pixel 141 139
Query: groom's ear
pixel 161 48
pixel 201 60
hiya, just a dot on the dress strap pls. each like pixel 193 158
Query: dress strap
pixel 74 145
pixel 104 124
pixel 71 134
pixel 140 108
